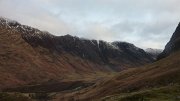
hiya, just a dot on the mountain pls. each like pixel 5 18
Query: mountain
pixel 153 52
pixel 159 81
pixel 173 45
pixel 147 82
pixel 30 56
pixel 117 54
pixel 37 63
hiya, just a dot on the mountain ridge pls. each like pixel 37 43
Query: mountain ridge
pixel 79 69
pixel 31 56
pixel 98 48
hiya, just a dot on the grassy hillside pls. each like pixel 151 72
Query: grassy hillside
pixel 21 64
pixel 32 70
pixel 167 93
pixel 13 97
pixel 135 81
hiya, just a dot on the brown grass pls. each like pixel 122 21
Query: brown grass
pixel 22 64
pixel 161 73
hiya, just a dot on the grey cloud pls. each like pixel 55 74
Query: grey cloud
pixel 136 21
pixel 34 15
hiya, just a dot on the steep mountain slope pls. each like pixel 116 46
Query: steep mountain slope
pixel 173 45
pixel 31 56
pixel 117 54
pixel 154 53
pixel 160 74
pixel 22 64
pixel 150 83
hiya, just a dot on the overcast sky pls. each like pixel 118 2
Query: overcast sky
pixel 145 23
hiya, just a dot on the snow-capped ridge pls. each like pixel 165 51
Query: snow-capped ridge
pixel 97 51
pixel 153 52
pixel 30 33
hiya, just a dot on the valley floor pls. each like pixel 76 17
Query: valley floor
pixel 167 93
pixel 51 90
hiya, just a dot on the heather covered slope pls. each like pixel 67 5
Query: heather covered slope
pixel 35 61
pixel 20 63
pixel 160 80
pixel 31 56
pixel 118 55
pixel 160 74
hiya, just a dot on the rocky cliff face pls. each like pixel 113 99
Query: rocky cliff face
pixel 173 45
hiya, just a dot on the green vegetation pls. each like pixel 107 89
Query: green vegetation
pixel 29 97
pixel 41 96
pixel 169 93
pixel 13 97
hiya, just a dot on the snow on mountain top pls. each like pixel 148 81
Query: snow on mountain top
pixel 155 51
pixel 30 33
pixel 26 31
pixel 2 19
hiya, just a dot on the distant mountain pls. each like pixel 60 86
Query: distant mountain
pixel 173 45
pixel 153 52
pixel 28 55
